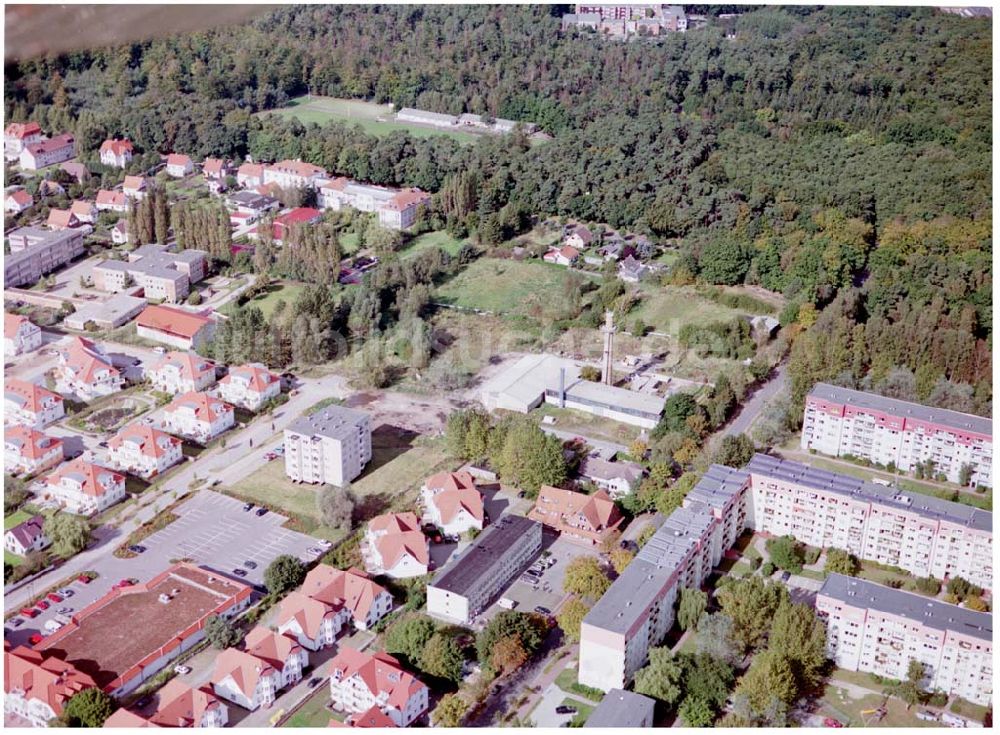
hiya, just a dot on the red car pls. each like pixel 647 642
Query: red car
pixel 830 722
pixel 124 583
pixel 35 638
pixel 83 578
pixel 42 605
pixel 53 597
pixel 29 612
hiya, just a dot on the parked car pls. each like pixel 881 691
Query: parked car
pixel 785 576
pixel 280 450
pixel 137 548
pixel 830 722
pixel 926 715
pixel 54 597
pixel 30 612
pixel 17 622
pixel 261 511
pixel 65 610
pixel 160 350
pixel 102 444
pixel 248 506
pixel 270 456
pixel 240 572
pixel 35 638
pixel 315 682
pixel 42 605
pixel 143 701
pixel 123 583
pixel 83 579
pixel 182 669
pixel 51 626
pixel 250 564
pixel 325 543
pixel 565 709
pixel 67 592
pixel 522 494
pixel 541 610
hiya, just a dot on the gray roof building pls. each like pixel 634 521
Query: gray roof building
pixel 925 505
pixel 621 708
pixel 718 486
pixel 334 422
pixel 478 562
pixel 940 615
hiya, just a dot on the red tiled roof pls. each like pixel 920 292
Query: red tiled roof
pixel 205 407
pixel 190 364
pixel 181 705
pixel 111 198
pixel 352 589
pixel 152 442
pixel 31 394
pixel 22 130
pixel 213 166
pixel 52 144
pixel 172 321
pixel 84 361
pixel 395 522
pixel 117 146
pixel 245 669
pixel 299 168
pixel 49 680
pixel 407 198
pixel 373 717
pixel 12 323
pixel 257 376
pixel 593 516
pixel 22 197
pixel 94 479
pixel 61 219
pixel 337 184
pixel 253 170
pixel 31 443
pixel 393 546
pixel 178 159
pixel 134 183
pixel 380 673
pixel 82 207
pixel 272 647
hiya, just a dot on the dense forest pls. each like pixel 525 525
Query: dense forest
pixel 840 156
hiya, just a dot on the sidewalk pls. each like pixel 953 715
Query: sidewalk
pixel 544 680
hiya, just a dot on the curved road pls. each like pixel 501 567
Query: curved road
pixel 751 410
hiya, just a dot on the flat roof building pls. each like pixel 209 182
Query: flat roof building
pixel 109 314
pixel 35 251
pixel 330 446
pixel 620 708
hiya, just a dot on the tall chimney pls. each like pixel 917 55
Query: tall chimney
pixel 562 387
pixel 609 329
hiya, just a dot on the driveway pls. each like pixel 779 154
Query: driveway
pixel 545 713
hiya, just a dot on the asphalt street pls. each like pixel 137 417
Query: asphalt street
pixel 752 408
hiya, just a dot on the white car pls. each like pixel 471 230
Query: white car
pixel 182 669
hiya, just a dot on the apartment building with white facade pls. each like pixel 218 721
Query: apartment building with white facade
pixel 38 687
pixel 31 405
pixel 116 153
pixel 249 386
pixel 880 630
pixel 86 369
pixel 141 450
pixel 85 488
pixel 840 422
pixel 396 208
pixel 17 136
pixel 395 546
pixel 47 152
pixel 20 335
pixel 182 372
pixel 243 679
pixel 452 502
pixel 28 451
pixel 290 174
pixel 360 681
pixel 161 273
pixel 177 705
pixel 35 251
pixel 471 581
pixel 330 446
pixel 198 416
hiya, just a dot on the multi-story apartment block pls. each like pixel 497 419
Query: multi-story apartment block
pixel 472 581
pixel 18 135
pixel 182 372
pixel 331 446
pixel 116 152
pixel 245 680
pixel 177 705
pixel 281 652
pixel 85 488
pixel 178 328
pixel 86 369
pixel 647 19
pixel 590 520
pixel 293 174
pixel 47 152
pixel 20 335
pixel 30 405
pixel 35 251
pixel 360 681
pixel 396 209
pixel 395 546
pixel 249 386
pixel 144 451
pixel 160 272
pixel 880 630
pixel 453 502
pixel 38 687
pixel 198 416
pixel 922 534
pixel 29 451
pixel 839 421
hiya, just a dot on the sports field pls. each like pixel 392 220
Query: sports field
pixel 374 119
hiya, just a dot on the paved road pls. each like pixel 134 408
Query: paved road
pixel 545 682
pixel 752 408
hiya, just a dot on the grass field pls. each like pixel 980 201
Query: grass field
pixel 10 521
pixel 313 713
pixel 438 239
pixel 287 290
pixel 503 286
pixel 594 427
pixel 374 119
pixel 837 703
pixel 667 309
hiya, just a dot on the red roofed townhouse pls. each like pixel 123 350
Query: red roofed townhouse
pixel 314 624
pixel 395 546
pixel 215 168
pixel 283 223
pixel 37 687
pixel 18 135
pixel 282 652
pixel 18 201
pixel 179 165
pixel 19 335
pixel 249 386
pixel 30 405
pixel 85 488
pixel 144 451
pixel 182 372
pixel 249 175
pixel 373 717
pixel 177 705
pixel 86 370
pixel 62 219
pixel 84 211
pixel 453 502
pixel 586 519
pixel 28 451
pixel 565 255
pixel 134 187
pixel 401 211
pixel 198 416
pixel 116 152
pixel 26 537
pixel 112 201
pixel 178 328
pixel 360 681
pixel 244 679
pixel 293 174
pixel 47 152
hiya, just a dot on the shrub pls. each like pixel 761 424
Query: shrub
pixel 767 569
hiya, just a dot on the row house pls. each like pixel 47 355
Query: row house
pixel 182 372
pixel 453 502
pixel 134 187
pixel 26 537
pixel 175 327
pixel 112 201
pixel 177 705
pixel 843 422
pixel 18 201
pixel 179 165
pixel 28 451
pixel 48 152
pixel 30 405
pixel 331 446
pixel 295 174
pixel 395 546
pixel 17 136
pixel 37 687
pixel 141 450
pixel 20 335
pixel 116 153
pixel 198 416
pixel 249 386
pixel 85 488
pixel 360 681
pixel 591 520
pixel 86 369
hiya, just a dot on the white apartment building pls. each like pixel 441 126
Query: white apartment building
pixel 470 583
pixel 360 681
pixel 293 174
pixel 17 136
pixel 395 546
pixel 281 652
pixel 86 370
pixel 85 488
pixel 20 335
pixel 29 451
pixel 396 208
pixel 182 372
pixel 249 386
pixel 330 446
pixel 880 630
pixel 198 416
pixel 453 503
pixel 245 680
pixel 30 405
pixel 47 152
pixel 144 451
pixel 839 422
pixel 313 623
pixel 35 251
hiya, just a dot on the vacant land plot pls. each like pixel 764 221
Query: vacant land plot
pixel 288 291
pixel 374 119
pixel 438 239
pixel 667 309
pixel 503 286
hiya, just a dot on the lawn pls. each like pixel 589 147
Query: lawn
pixel 349 242
pixel 18 516
pixel 666 309
pixel 503 286
pixel 313 712
pixel 287 290
pixel 582 710
pixel 374 119
pixel 568 683
pixel 438 239
pixel 838 704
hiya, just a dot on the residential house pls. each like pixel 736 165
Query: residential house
pixel 19 335
pixel 215 168
pixel 591 520
pixel 177 705
pixel 49 188
pixel 182 372
pixel 28 451
pixel 616 478
pixel 631 270
pixel 198 416
pixel 249 206
pixel 313 623
pixel 178 328
pixel 141 450
pixel 134 187
pixel 283 223
pixel 249 386
pixel 453 502
pixel 18 201
pixel 281 652
pixel 26 537
pixel 47 152
pixel 395 546
pixel 329 446
pixel 360 681
pixel 330 599
pixel 290 174
pixel 119 233
pixel 116 153
pixel 249 175
pixel 17 136
pixel 86 369
pixel 30 405
pixel 62 219
pixel 179 165
pixel 244 679
pixel 564 255
pixel 112 201
pixel 372 717
pixel 579 238
pixel 78 171
pixel 84 211
pixel 38 687
pixel 85 488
